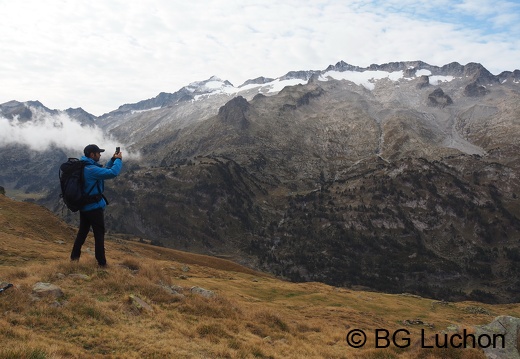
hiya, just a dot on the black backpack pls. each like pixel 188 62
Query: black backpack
pixel 72 181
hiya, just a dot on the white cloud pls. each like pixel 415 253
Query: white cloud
pixel 44 131
pixel 101 54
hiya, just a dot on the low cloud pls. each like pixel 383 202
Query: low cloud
pixel 44 131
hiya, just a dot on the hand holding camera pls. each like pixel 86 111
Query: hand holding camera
pixel 118 153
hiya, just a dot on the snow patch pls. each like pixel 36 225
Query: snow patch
pixel 277 85
pixel 145 110
pixel 365 78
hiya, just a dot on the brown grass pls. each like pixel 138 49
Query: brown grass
pixel 252 315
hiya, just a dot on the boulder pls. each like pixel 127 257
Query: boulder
pixel 41 289
pixel 502 327
pixel 140 304
pixel 174 290
pixel 203 292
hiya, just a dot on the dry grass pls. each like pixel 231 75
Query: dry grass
pixel 252 315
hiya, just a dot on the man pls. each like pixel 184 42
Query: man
pixel 92 214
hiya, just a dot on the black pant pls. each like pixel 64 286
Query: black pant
pixel 96 220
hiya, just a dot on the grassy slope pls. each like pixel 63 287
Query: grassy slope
pixel 253 315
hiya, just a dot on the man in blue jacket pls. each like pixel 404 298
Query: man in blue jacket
pixel 92 214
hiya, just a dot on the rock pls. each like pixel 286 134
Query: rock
pixel 140 304
pixel 452 328
pixel 439 99
pixel 177 288
pixel 424 81
pixel 203 292
pixel 410 72
pixel 173 291
pixel 476 310
pixel 503 334
pixel 234 113
pixel 41 289
pixel 475 90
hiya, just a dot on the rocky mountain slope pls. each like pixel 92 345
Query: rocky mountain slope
pixel 398 177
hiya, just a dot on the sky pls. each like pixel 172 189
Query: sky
pixel 101 54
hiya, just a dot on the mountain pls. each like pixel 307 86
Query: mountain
pixel 400 177
pixel 163 303
pixel 33 111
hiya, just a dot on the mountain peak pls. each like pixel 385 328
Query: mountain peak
pixel 81 115
pixel 300 75
pixel 214 83
pixel 23 111
pixel 258 81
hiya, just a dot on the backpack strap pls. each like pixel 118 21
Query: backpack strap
pixel 97 197
pixel 101 193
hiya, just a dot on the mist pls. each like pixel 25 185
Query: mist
pixel 44 131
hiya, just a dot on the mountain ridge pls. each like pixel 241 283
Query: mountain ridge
pixel 480 73
pixel 455 69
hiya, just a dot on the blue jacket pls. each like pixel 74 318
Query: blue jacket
pixel 95 174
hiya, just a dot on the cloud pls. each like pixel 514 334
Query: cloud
pixel 44 131
pixel 101 54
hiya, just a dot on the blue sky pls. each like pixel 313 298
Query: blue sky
pixel 100 54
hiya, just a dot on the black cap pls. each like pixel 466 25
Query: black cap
pixel 92 149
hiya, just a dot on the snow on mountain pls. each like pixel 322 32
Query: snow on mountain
pixel 216 86
pixel 276 85
pixel 366 78
pixel 370 77
pixel 146 110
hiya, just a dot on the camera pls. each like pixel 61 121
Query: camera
pixel 118 149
